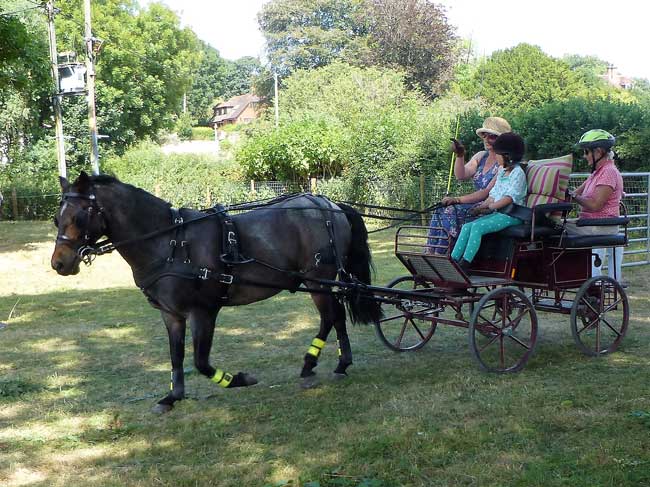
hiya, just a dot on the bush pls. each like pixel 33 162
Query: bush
pixel 183 126
pixel 555 128
pixel 183 179
pixel 202 133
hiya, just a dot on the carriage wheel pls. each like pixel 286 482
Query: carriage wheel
pixel 503 330
pixel 599 316
pixel 409 325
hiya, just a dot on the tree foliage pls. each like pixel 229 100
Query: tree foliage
pixel 24 81
pixel 360 123
pixel 411 35
pixel 307 34
pixel 143 70
pixel 554 129
pixel 522 78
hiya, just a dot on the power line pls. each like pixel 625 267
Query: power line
pixel 11 14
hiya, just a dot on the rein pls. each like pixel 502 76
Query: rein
pixel 87 252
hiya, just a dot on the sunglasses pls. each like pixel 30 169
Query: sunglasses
pixel 586 152
pixel 489 136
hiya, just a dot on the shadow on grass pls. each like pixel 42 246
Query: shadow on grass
pixel 22 235
pixel 81 370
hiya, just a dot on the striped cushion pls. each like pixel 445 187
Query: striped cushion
pixel 548 180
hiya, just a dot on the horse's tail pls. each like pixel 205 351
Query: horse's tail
pixel 362 308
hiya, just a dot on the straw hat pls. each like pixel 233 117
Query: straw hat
pixel 495 126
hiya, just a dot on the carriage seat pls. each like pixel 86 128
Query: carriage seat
pixel 523 231
pixel 598 241
pixel 537 217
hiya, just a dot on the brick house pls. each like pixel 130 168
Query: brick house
pixel 238 109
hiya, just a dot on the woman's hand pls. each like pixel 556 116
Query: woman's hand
pixel 457 148
pixel 450 200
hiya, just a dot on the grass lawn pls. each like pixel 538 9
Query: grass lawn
pixel 83 359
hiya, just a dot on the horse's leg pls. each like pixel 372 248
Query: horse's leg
pixel 202 323
pixel 176 332
pixel 345 351
pixel 324 304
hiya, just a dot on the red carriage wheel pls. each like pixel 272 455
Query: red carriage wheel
pixel 599 316
pixel 503 330
pixel 409 325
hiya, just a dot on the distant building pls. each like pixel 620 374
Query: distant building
pixel 615 78
pixel 238 109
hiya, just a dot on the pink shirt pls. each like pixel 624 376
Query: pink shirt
pixel 605 175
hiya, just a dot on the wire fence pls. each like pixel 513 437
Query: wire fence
pixel 409 193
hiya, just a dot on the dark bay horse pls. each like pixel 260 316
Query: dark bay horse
pixel 178 263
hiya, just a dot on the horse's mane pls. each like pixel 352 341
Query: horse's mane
pixel 105 179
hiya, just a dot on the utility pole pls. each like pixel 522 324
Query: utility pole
pixel 277 110
pixel 56 98
pixel 90 85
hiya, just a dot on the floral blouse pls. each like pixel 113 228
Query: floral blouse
pixel 513 185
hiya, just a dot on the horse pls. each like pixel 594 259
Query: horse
pixel 191 263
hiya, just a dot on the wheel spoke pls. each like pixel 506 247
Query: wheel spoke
pixel 611 327
pixel 611 307
pixel 488 343
pixel 502 353
pixel 384 320
pixel 401 334
pixel 416 328
pixel 586 327
pixel 584 300
pixel 517 340
pixel 515 323
pixel 495 325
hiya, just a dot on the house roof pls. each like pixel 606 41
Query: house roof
pixel 237 103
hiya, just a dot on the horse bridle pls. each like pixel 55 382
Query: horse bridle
pixel 86 247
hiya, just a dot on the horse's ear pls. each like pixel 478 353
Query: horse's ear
pixel 65 185
pixel 83 182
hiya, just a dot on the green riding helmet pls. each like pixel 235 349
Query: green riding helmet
pixel 596 138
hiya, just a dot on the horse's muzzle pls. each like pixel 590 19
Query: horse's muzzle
pixel 65 263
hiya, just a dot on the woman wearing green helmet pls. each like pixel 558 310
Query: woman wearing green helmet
pixel 600 195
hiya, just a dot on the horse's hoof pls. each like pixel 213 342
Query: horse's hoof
pixel 247 379
pixel 338 376
pixel 309 382
pixel 162 408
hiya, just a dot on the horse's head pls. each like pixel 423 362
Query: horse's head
pixel 80 224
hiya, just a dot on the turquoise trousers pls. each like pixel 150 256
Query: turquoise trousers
pixel 469 239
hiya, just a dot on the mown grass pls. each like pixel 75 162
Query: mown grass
pixel 82 360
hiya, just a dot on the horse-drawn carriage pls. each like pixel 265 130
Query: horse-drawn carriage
pixel 518 271
pixel 191 263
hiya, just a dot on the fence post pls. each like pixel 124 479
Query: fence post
pixel 647 220
pixel 312 185
pixel 252 186
pixel 208 197
pixel 423 217
pixel 156 190
pixel 14 202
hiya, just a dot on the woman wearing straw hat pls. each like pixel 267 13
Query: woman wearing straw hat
pixel 481 168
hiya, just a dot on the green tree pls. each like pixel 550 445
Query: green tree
pixel 589 68
pixel 554 128
pixel 143 70
pixel 522 78
pixel 307 34
pixel 209 84
pixel 411 35
pixel 24 79
pixel 240 76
